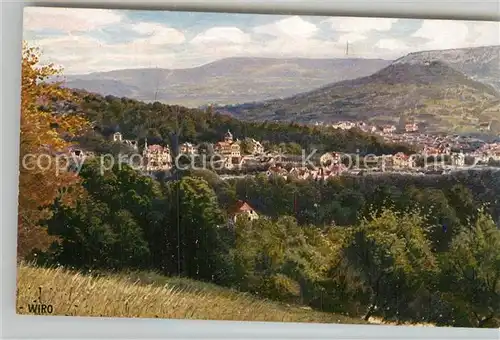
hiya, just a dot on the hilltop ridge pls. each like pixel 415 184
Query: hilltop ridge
pixel 480 63
pixel 432 93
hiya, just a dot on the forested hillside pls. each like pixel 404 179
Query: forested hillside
pixel 159 123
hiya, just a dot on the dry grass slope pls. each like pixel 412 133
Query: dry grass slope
pixel 72 293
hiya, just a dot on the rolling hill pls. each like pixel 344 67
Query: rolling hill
pixel 226 81
pixel 430 92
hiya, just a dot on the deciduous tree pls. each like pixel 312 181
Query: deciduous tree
pixel 392 256
pixel 471 273
pixel 44 135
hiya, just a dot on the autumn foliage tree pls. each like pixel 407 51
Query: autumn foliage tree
pixel 45 134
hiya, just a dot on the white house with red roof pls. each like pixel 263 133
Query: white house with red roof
pixel 242 210
pixel 411 127
pixel 118 138
pixel 229 149
pixel 401 160
pixel 388 128
pixel 277 171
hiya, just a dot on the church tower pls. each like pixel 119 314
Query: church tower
pixel 145 150
pixel 117 137
pixel 228 137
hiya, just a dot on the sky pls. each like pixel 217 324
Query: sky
pixel 92 40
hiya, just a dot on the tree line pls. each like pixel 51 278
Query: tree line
pixel 403 253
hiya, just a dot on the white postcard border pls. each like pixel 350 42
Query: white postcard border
pixel 19 327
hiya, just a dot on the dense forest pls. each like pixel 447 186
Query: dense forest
pixel 407 249
pixel 161 123
pixel 417 249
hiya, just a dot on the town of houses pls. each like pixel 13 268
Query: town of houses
pixel 158 158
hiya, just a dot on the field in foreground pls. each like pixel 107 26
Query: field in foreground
pixel 151 296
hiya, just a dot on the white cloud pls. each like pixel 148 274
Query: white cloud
pixel 297 48
pixel 70 52
pixel 446 34
pixel 484 33
pixel 360 25
pixel 83 54
pixel 158 34
pixel 392 44
pixel 68 19
pixel 221 35
pixel 442 34
pixel 68 46
pixel 291 27
pixel 351 38
pixel 288 37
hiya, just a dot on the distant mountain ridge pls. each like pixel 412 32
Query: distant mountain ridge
pixel 455 89
pixel 226 81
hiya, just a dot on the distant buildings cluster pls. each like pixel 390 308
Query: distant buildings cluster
pixel 365 127
pixel 160 158
pixel 409 127
pixel 231 153
pixel 487 152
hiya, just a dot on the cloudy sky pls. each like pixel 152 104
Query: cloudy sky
pixel 90 40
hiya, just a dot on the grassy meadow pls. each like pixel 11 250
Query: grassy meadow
pixel 148 295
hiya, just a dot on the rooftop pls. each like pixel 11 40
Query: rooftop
pixel 241 206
